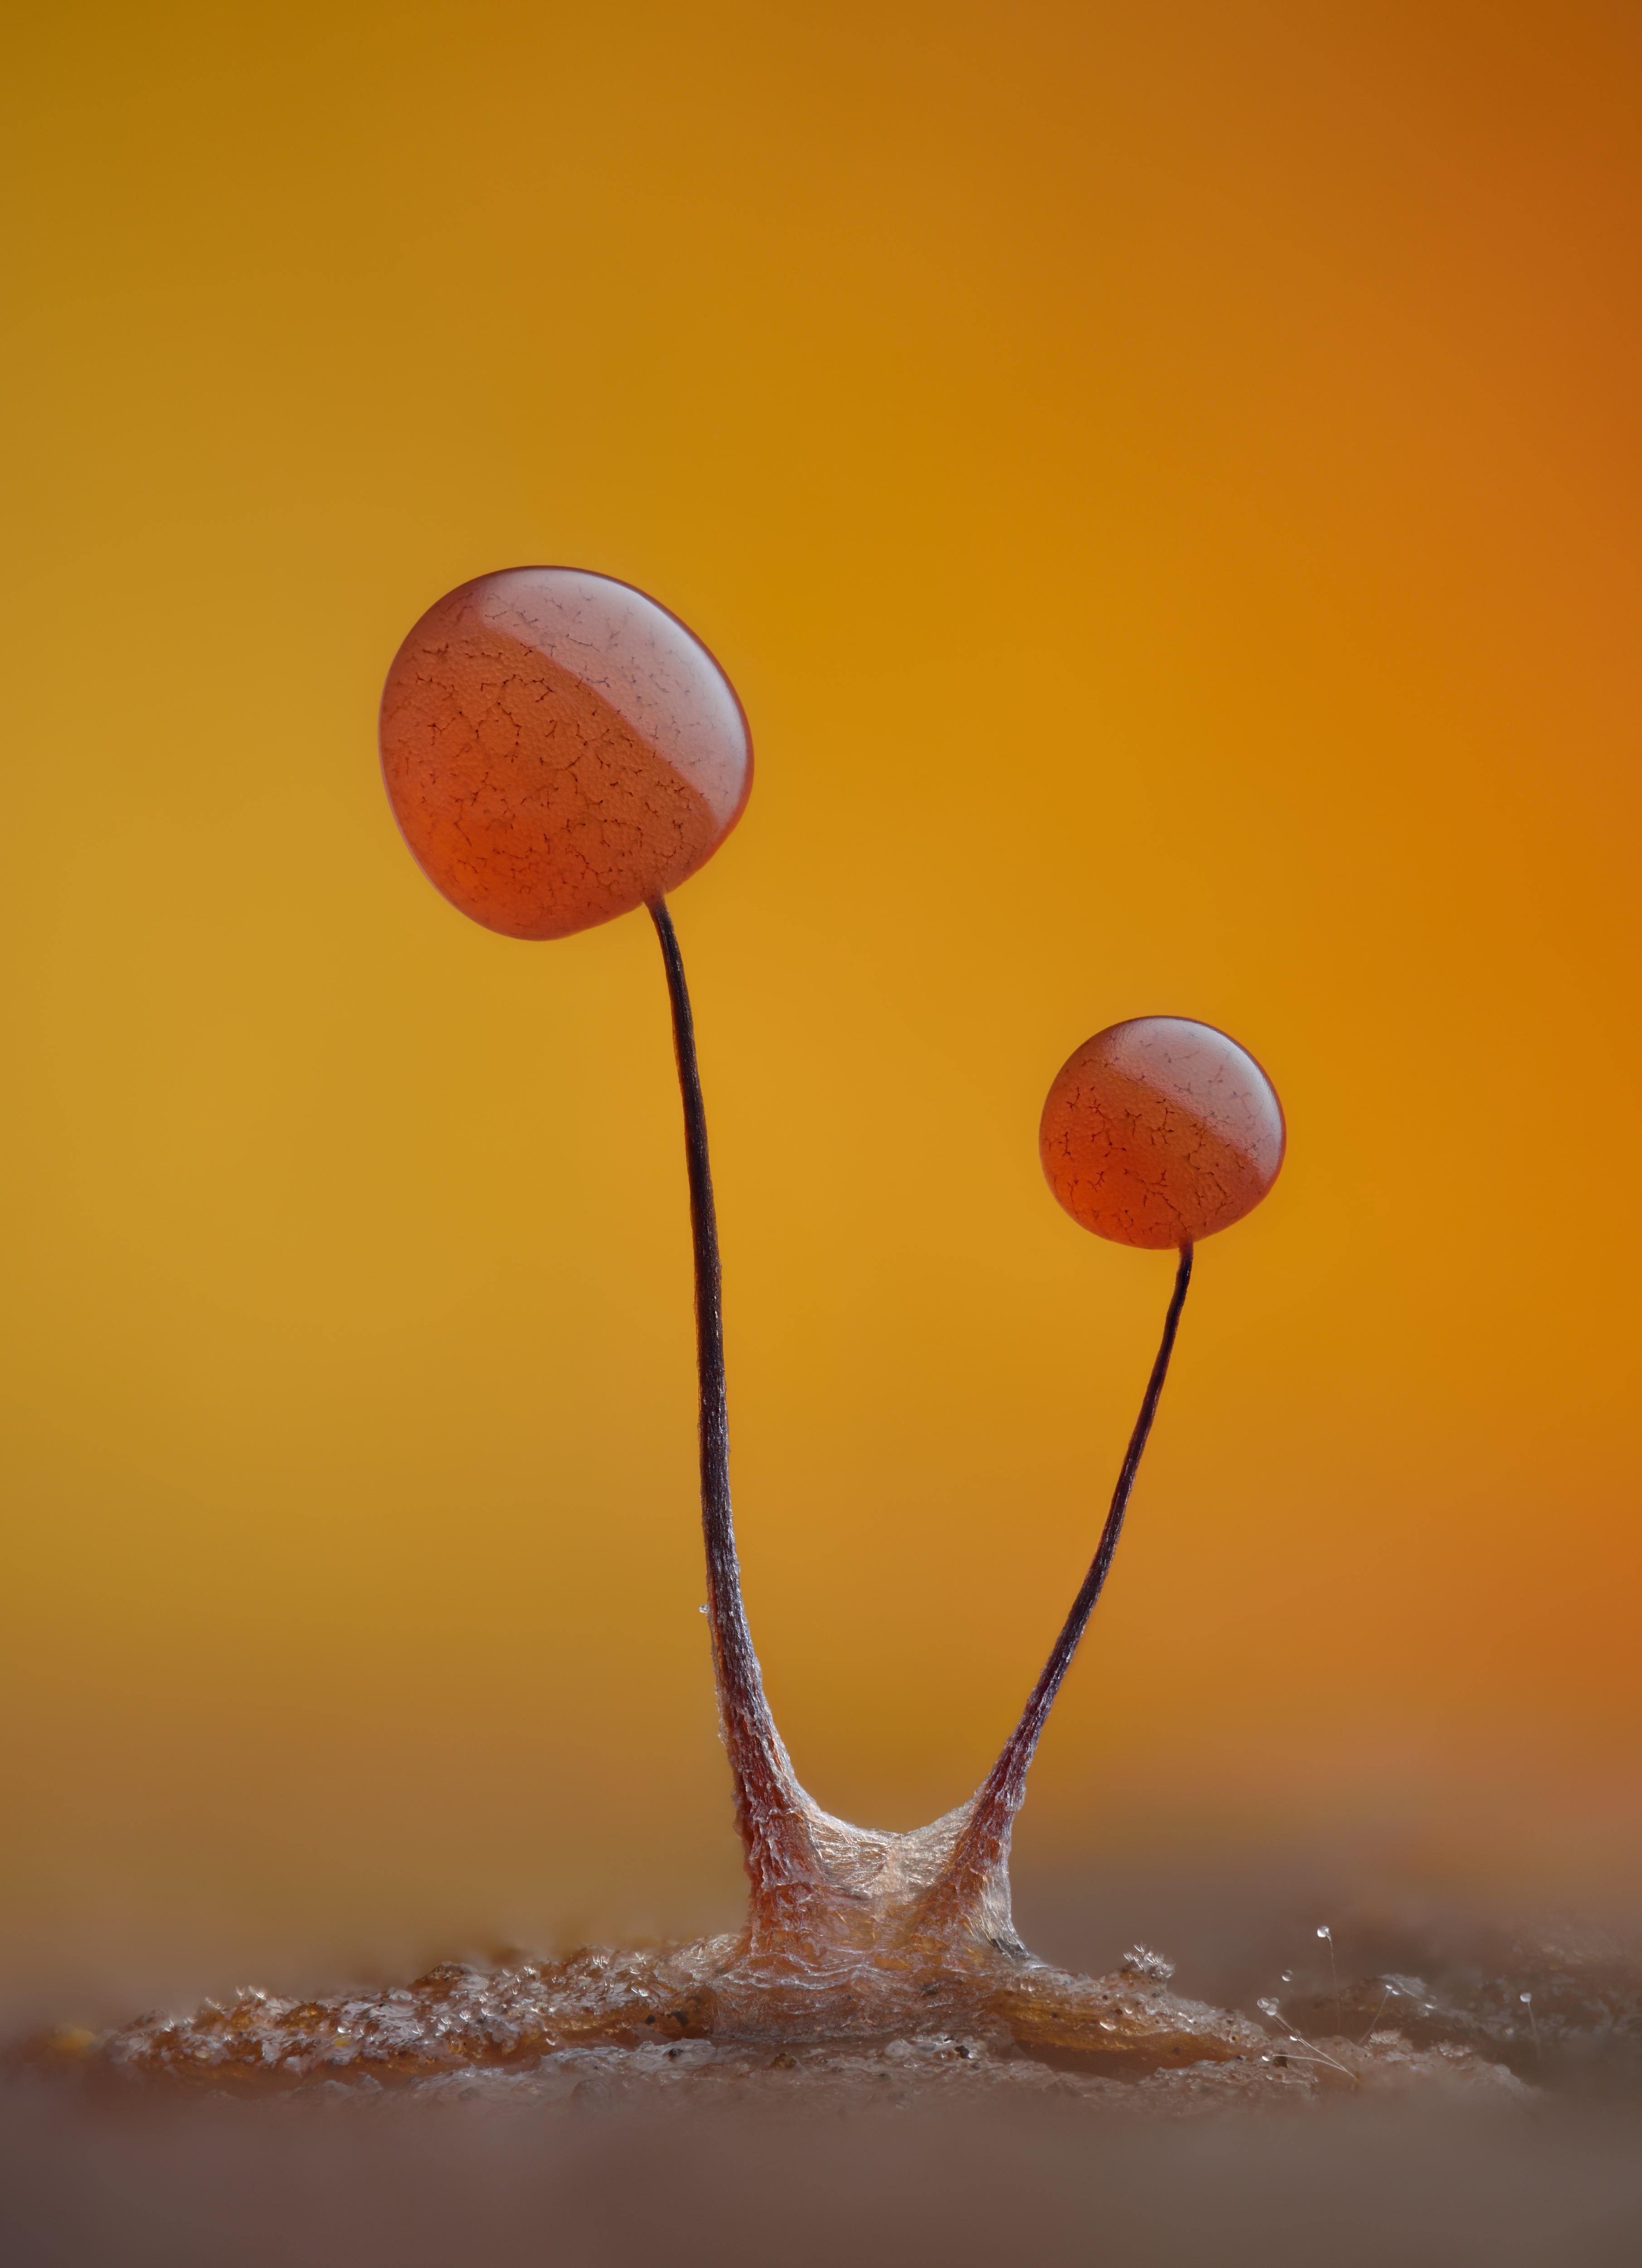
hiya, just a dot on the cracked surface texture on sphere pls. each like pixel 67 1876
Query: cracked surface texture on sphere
pixel 1159 1132
pixel 559 749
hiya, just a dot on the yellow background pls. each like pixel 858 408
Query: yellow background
pixel 1164 481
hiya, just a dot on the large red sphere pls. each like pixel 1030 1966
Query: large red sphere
pixel 1159 1132
pixel 559 749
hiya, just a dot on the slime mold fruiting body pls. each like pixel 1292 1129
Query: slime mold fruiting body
pixel 560 750
pixel 1160 1131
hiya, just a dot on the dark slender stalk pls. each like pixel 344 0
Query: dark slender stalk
pixel 764 1810
pixel 981 1847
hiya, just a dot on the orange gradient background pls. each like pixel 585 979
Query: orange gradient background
pixel 1165 485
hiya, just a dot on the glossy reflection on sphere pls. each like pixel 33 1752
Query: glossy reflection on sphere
pixel 559 749
pixel 1159 1132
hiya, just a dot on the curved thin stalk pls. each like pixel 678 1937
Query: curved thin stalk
pixel 773 1832
pixel 983 1846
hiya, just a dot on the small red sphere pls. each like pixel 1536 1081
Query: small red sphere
pixel 559 749
pixel 1159 1132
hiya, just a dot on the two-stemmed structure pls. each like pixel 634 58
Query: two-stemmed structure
pixel 560 750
